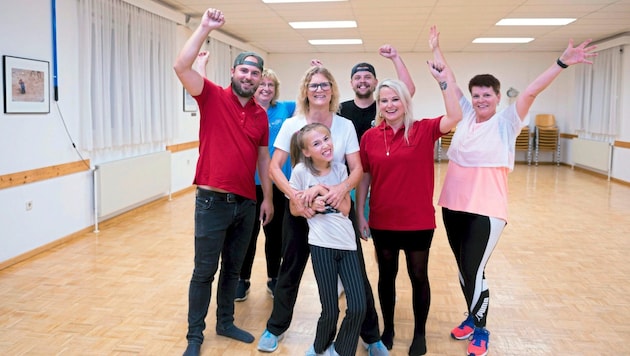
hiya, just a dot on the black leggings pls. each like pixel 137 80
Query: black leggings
pixel 416 245
pixel 473 238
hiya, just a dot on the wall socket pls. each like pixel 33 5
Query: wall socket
pixel 29 205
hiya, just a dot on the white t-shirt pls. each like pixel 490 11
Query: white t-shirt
pixel 343 134
pixel 487 144
pixel 331 230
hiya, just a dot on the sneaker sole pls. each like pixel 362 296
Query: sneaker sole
pixel 272 349
pixel 464 337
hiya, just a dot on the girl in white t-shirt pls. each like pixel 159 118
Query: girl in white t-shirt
pixel 331 239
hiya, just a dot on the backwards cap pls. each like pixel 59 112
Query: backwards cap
pixel 241 59
pixel 363 67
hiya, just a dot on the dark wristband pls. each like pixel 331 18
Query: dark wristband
pixel 561 64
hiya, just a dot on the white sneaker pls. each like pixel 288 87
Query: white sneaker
pixel 330 351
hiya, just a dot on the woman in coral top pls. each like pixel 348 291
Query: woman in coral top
pixel 474 193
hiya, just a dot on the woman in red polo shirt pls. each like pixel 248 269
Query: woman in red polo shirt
pixel 397 159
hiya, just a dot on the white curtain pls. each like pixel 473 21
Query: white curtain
pixel 127 96
pixel 220 61
pixel 597 93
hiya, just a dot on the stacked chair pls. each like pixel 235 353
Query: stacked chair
pixel 547 137
pixel 524 143
pixel 443 143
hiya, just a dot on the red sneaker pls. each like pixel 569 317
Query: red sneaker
pixel 464 330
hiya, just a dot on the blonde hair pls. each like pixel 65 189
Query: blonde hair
pixel 270 74
pixel 302 99
pixel 405 97
pixel 298 145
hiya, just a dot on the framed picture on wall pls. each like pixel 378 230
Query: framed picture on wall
pixel 26 85
pixel 190 104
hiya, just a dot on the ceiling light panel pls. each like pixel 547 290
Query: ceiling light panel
pixel 288 1
pixel 346 41
pixel 503 40
pixel 535 22
pixel 323 24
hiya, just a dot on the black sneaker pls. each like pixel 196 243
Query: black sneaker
pixel 242 290
pixel 271 286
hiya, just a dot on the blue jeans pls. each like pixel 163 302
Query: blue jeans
pixel 223 227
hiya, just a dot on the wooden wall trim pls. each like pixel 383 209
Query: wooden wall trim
pixel 182 146
pixel 38 174
pixel 617 143
pixel 84 232
pixel 622 144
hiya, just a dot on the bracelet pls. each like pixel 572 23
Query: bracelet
pixel 561 64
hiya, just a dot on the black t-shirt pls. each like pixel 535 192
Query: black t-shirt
pixel 361 118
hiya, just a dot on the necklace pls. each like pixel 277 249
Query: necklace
pixel 385 140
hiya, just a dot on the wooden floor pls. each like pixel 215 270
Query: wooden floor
pixel 558 281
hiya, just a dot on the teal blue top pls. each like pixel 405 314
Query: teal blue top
pixel 276 115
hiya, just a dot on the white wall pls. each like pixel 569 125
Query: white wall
pixel 513 70
pixel 64 205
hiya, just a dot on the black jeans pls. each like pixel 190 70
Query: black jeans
pixel 223 226
pixel 295 252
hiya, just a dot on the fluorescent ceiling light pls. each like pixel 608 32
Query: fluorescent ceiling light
pixel 323 24
pixel 286 1
pixel 503 40
pixel 348 41
pixel 535 22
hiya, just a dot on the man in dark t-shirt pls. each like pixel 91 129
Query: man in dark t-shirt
pixel 362 109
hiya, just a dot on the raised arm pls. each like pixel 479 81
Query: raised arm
pixel 189 77
pixel 446 81
pixel 388 51
pixel 201 62
pixel 570 56
pixel 438 56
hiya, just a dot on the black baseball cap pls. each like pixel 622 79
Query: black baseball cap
pixel 241 59
pixel 363 67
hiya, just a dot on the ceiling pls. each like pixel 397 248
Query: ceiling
pixel 405 23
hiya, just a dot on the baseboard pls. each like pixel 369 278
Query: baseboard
pixel 83 232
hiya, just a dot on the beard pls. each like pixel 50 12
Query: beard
pixel 366 95
pixel 369 92
pixel 238 89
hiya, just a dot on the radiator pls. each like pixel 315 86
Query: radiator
pixel 125 184
pixel 591 154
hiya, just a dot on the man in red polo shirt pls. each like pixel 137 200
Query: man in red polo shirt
pixel 233 140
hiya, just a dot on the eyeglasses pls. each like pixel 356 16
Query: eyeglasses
pixel 323 86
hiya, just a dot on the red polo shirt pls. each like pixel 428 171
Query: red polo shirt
pixel 401 195
pixel 229 137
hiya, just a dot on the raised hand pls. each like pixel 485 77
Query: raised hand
pixel 316 63
pixel 388 51
pixel 434 38
pixel 438 70
pixel 580 54
pixel 213 18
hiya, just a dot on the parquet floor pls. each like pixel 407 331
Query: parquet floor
pixel 558 281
